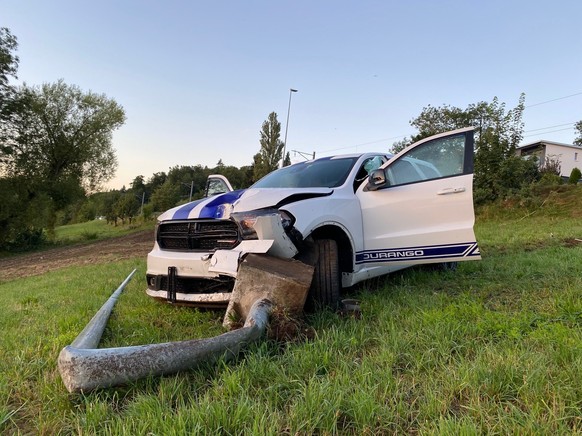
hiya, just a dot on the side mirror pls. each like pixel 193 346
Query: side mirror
pixel 376 180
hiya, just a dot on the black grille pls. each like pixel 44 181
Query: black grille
pixel 199 235
pixel 192 285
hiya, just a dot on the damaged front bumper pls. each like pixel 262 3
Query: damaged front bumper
pixel 206 279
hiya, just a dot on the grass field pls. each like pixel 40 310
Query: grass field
pixel 495 347
pixel 93 230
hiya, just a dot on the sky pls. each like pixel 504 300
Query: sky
pixel 197 79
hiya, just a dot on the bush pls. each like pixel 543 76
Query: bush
pixel 512 176
pixel 575 176
pixel 550 179
pixel 148 210
pixel 551 166
pixel 27 240
pixel 89 236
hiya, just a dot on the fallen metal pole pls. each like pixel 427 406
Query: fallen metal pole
pixel 91 334
pixel 84 367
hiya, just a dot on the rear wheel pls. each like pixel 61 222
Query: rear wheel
pixel 326 285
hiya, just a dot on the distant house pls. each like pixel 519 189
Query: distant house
pixel 569 156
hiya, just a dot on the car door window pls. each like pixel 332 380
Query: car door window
pixel 369 165
pixel 215 187
pixel 442 157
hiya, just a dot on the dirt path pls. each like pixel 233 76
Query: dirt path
pixel 109 250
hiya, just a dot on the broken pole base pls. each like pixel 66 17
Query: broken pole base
pixel 284 282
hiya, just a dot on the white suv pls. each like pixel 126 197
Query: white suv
pixel 354 217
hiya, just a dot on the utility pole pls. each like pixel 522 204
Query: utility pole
pixel 291 91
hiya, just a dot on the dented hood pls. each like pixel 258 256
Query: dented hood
pixel 221 206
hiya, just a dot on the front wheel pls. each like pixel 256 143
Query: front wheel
pixel 326 285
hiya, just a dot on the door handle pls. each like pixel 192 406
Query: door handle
pixel 448 191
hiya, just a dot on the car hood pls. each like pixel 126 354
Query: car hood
pixel 222 205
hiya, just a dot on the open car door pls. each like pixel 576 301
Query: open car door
pixel 216 184
pixel 418 207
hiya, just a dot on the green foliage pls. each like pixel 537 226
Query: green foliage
pixel 269 156
pixel 89 236
pixel 575 176
pixel 168 190
pixel 287 160
pixel 8 58
pixel 27 239
pixel 87 211
pixel 91 230
pixel 155 181
pixel 108 202
pixel 185 179
pixel 551 166
pixel 550 179
pixel 148 211
pixel 578 128
pixel 55 143
pixel 21 213
pixel 165 197
pixel 8 68
pixel 398 146
pixel 64 135
pixel 126 206
pixel 514 175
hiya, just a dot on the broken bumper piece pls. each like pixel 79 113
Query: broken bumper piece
pixel 215 300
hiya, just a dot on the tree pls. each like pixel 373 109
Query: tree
pixel 138 187
pixel 8 68
pixel 287 160
pixel 268 157
pixel 126 206
pixel 65 133
pixel 8 58
pixel 188 178
pixel 398 146
pixel 108 201
pixel 239 178
pixel 155 181
pixel 575 176
pixel 165 197
pixel 62 142
pixel 578 127
pixel 138 184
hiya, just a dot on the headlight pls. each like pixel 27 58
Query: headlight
pixel 247 221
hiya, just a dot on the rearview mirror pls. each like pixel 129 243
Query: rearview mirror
pixel 376 180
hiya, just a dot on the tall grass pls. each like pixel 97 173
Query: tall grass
pixel 96 229
pixel 495 347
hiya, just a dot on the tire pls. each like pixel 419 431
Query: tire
pixel 326 285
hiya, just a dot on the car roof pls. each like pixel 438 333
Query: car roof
pixel 357 155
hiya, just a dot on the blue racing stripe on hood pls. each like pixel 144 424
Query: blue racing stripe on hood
pixel 184 211
pixel 215 207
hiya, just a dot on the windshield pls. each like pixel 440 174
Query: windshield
pixel 320 173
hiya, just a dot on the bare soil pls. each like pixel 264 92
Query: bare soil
pixel 110 250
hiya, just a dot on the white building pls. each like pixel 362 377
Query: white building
pixel 569 156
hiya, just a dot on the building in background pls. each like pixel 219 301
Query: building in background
pixel 569 156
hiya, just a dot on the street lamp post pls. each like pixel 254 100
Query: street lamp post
pixel 291 91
